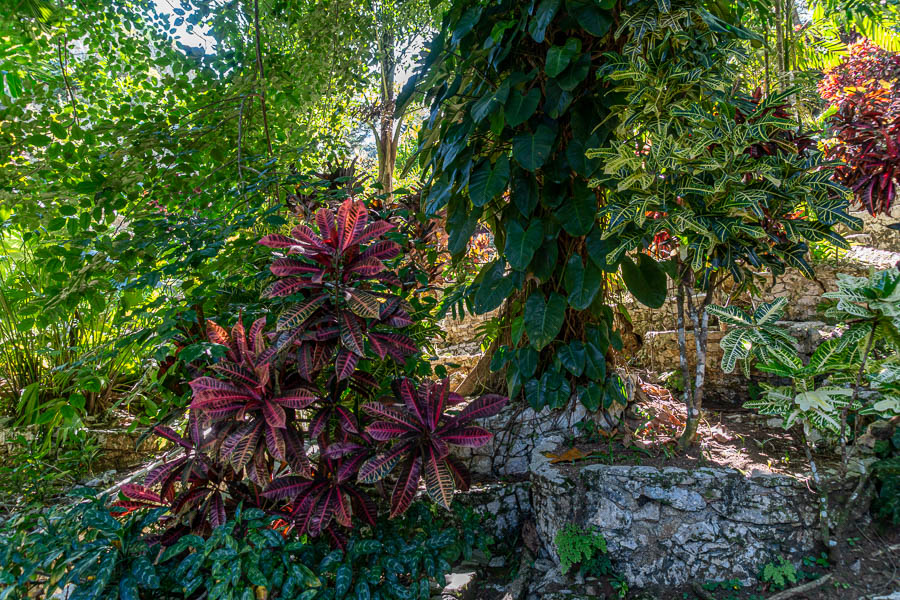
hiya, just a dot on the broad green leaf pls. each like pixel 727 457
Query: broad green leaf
pixel 531 150
pixel 542 17
pixel 495 287
pixel 519 107
pixel 521 244
pixel 581 282
pixel 544 319
pixel 646 280
pixel 572 357
pixel 591 396
pixel 558 57
pixel 487 182
pixel 577 215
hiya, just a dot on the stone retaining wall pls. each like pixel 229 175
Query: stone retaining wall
pixel 668 526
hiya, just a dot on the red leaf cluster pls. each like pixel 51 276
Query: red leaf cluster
pixel 865 91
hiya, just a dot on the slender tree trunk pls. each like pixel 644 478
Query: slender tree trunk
pixel 700 320
pixel 855 398
pixel 387 136
pixel 682 350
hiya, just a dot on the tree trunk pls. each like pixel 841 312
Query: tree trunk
pixel 682 353
pixel 387 135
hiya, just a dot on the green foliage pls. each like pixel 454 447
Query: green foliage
pixel 779 574
pixel 583 547
pixel 251 556
pixel 514 106
pixel 886 471
pixel 868 310
pixel 753 335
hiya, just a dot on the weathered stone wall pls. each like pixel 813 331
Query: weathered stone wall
pixel 462 334
pixel 504 507
pixel 875 231
pixel 659 354
pixel 668 526
pixel 517 430
pixel 804 295
pixel 117 448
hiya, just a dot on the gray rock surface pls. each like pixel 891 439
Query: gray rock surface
pixel 668 526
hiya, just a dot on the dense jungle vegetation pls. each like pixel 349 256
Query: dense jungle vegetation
pixel 231 230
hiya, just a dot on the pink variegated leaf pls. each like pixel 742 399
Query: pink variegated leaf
pixel 325 221
pixel 468 437
pixel 240 340
pixel 309 240
pixel 295 452
pixel 284 267
pixel 216 510
pixel 388 278
pixel 343 510
pixel 378 467
pixel 274 240
pixel 439 482
pixel 290 486
pixel 396 345
pixel 351 222
pixel 363 303
pixel 298 398
pixel 407 392
pixel 383 250
pixel 322 512
pixel 286 287
pixel 257 340
pixel 237 373
pixel 133 491
pixel 366 267
pixel 274 414
pixel 157 474
pixel 318 422
pixel 345 363
pixel 406 487
pixel 373 231
pixel 339 449
pixel 346 420
pixel 385 431
pixel 486 406
pixel 377 409
pixel 246 446
pixel 459 472
pixel 400 319
pixel 275 441
pixel 437 397
pixel 350 465
pixel 219 335
pixel 351 332
pixel 296 315
pixel 170 434
pixel 364 507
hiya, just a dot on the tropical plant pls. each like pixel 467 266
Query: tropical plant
pixel 82 550
pixel 514 105
pixel 728 177
pixel 864 124
pixel 421 434
pixel 753 336
pixel 256 404
pixel 343 309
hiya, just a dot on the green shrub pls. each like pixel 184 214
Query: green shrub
pixel 251 556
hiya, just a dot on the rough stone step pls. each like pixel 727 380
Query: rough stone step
pixel 659 353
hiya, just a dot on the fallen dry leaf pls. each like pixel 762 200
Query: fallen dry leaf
pixel 570 455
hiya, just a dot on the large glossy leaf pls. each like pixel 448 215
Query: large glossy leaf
pixel 531 150
pixel 559 57
pixel 646 280
pixel 544 319
pixel 572 357
pixel 494 288
pixel 581 282
pixel 520 106
pixel 521 244
pixel 488 181
pixel 578 213
pixel 542 18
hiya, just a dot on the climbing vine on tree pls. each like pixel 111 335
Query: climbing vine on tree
pixel 515 103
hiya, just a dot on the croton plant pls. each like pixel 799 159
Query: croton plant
pixel 287 419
